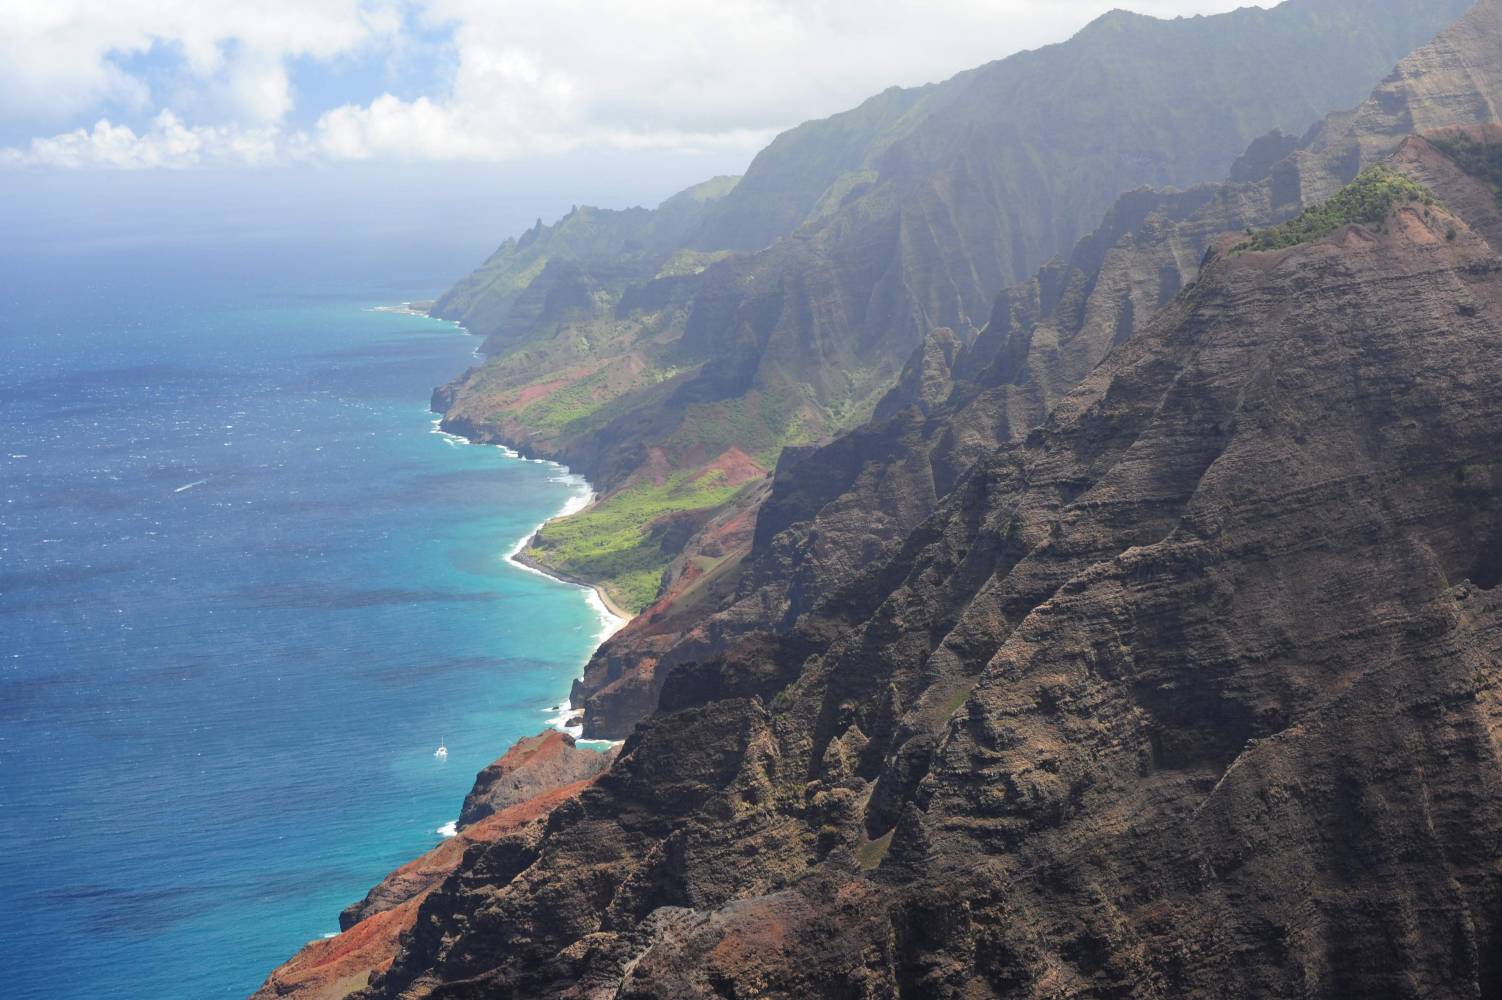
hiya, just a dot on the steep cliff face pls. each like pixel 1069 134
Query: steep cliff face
pixel 838 506
pixel 551 274
pixel 790 304
pixel 1192 691
pixel 505 813
pixel 531 767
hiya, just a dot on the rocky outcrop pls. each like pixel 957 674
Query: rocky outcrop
pixel 334 968
pixel 510 804
pixel 1191 692
pixel 550 274
pixel 621 683
pixel 532 766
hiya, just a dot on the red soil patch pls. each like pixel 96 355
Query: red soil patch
pixel 737 466
pixel 542 390
pixel 332 968
pixel 1485 132
pixel 657 467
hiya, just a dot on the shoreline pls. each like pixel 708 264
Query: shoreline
pixel 612 616
pixel 621 614
pixel 423 308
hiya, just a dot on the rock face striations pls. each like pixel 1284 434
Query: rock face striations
pixel 532 767
pixel 505 815
pixel 1193 691
pixel 841 505
pixel 648 349
pixel 1147 644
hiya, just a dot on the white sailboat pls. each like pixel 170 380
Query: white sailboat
pixel 442 753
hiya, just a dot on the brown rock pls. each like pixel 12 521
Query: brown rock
pixel 849 503
pixel 1192 693
pixel 532 766
pixel 372 930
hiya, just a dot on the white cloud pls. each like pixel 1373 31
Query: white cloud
pixel 683 73
pixel 257 86
pixel 525 77
pixel 166 143
pixel 65 57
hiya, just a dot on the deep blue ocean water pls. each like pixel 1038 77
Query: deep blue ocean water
pixel 244 593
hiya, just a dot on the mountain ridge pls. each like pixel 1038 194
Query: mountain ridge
pixel 1147 643
pixel 1107 722
pixel 630 370
pixel 1043 338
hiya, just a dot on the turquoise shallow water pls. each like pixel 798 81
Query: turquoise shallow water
pixel 245 591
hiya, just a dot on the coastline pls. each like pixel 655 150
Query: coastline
pixel 612 617
pixel 621 614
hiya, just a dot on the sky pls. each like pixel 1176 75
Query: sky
pixel 476 113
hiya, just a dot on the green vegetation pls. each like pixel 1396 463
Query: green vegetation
pixel 1475 485
pixel 570 405
pixel 709 191
pixel 871 853
pixel 612 541
pixel 758 423
pixel 1365 201
pixel 686 262
pixel 957 699
pixel 630 243
pixel 1476 157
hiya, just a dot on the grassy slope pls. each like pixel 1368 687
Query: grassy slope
pixel 612 542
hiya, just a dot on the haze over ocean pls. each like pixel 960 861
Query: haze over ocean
pixel 244 593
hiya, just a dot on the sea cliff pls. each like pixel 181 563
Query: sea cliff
pixel 1145 642
pixel 504 813
pixel 1190 692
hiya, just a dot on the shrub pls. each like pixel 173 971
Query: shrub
pixel 1365 201
pixel 1477 158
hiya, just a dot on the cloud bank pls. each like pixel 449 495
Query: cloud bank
pixel 217 84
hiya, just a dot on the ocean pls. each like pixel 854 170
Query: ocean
pixel 245 592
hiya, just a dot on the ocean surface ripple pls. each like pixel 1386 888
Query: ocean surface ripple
pixel 244 594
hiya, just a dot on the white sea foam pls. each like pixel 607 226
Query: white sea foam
pixel 576 504
pixel 584 495
pixel 460 439
pixel 450 439
pixel 449 829
pixel 404 309
pixel 560 721
pixel 610 622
